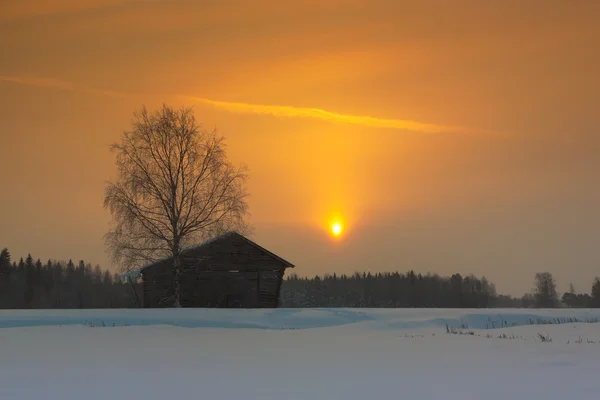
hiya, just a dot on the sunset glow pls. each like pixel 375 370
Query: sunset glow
pixel 373 140
pixel 336 229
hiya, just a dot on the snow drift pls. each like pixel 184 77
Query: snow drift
pixel 295 318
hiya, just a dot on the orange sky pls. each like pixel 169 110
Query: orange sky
pixel 453 136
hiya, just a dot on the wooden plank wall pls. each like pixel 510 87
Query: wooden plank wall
pixel 228 272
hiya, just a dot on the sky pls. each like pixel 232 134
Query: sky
pixel 449 136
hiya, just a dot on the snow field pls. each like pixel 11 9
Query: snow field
pixel 359 354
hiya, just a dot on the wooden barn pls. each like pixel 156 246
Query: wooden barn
pixel 228 271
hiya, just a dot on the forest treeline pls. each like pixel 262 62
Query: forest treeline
pixel 388 290
pixel 427 291
pixel 33 284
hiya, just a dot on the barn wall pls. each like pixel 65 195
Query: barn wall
pixel 229 272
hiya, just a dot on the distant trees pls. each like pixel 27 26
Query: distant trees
pixel 388 290
pixel 528 300
pixel 583 300
pixel 174 187
pixel 595 297
pixel 545 294
pixel 417 290
pixel 573 300
pixel 5 267
pixel 4 263
pixel 33 284
pixel 506 301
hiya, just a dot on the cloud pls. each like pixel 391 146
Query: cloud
pixel 315 113
pixel 245 108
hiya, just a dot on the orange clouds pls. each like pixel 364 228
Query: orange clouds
pixel 245 108
pixel 315 113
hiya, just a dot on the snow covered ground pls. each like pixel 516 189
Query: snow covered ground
pixel 299 354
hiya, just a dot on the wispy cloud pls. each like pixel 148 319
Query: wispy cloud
pixel 245 108
pixel 315 113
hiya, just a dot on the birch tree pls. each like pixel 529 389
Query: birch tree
pixel 545 292
pixel 174 187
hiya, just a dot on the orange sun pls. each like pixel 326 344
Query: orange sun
pixel 336 229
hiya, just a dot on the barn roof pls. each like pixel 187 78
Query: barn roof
pixel 135 274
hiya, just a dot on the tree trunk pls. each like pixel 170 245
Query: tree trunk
pixel 176 279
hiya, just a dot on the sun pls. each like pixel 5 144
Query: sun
pixel 336 228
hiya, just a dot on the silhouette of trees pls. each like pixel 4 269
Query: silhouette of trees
pixel 388 290
pixel 417 290
pixel 574 300
pixel 545 295
pixel 37 285
pixel 30 283
pixel 595 297
pixel 175 187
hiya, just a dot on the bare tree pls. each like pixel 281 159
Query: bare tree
pixel 545 293
pixel 174 187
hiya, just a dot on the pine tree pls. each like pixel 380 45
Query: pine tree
pixel 4 260
pixel 4 278
pixel 595 298
pixel 29 281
